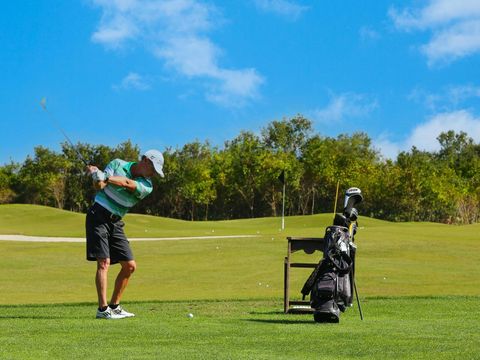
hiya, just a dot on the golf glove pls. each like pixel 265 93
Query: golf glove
pixel 99 175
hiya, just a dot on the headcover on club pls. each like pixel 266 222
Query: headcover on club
pixel 353 196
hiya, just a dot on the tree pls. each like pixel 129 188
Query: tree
pixel 197 184
pixel 427 190
pixel 348 159
pixel 8 179
pixel 42 179
pixel 287 136
pixel 241 179
pixel 270 188
pixel 284 141
pixel 243 170
pixel 460 154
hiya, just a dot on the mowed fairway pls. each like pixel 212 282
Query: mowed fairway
pixel 419 284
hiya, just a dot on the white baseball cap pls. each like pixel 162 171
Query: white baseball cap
pixel 156 158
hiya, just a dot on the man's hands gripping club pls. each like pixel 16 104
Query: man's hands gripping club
pixel 100 179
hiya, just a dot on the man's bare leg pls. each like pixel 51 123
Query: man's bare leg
pixel 128 267
pixel 101 281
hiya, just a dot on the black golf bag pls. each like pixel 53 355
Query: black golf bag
pixel 331 284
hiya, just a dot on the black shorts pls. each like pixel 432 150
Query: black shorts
pixel 105 236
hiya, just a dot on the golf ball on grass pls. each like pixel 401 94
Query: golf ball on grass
pixel 190 315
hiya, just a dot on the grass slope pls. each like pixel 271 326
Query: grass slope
pixel 393 259
pixel 46 221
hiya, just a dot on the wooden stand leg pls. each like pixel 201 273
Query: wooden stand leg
pixel 286 286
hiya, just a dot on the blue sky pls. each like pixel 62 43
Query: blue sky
pixel 163 73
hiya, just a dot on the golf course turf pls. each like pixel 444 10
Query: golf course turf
pixel 419 285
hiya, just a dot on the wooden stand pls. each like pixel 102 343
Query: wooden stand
pixel 309 246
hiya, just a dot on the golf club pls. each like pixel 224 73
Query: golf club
pixel 358 300
pixel 43 104
pixel 353 196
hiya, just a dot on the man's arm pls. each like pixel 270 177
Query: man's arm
pixel 100 180
pixel 129 184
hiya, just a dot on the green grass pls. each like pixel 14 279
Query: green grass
pixel 46 221
pixel 418 282
pixel 420 259
pixel 394 328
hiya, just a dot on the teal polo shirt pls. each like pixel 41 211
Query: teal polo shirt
pixel 117 199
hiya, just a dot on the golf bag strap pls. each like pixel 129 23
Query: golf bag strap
pixel 308 286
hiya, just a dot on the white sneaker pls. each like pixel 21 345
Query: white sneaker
pixel 120 313
pixel 110 314
pixel 107 314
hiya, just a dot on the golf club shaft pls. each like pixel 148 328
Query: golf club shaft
pixel 336 198
pixel 64 134
pixel 358 300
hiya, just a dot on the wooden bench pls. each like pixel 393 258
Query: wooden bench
pixel 309 245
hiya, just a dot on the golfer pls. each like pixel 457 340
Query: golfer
pixel 120 187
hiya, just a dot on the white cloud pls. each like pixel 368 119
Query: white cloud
pixel 133 81
pixel 458 94
pixel 389 149
pixel 430 100
pixel 437 12
pixel 345 105
pixel 424 136
pixel 116 26
pixel 455 42
pixel 368 34
pixel 288 9
pixel 455 27
pixel 190 55
pixel 117 31
pixel 447 99
pixel 176 32
pixel 235 87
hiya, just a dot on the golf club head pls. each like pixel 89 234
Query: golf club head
pixel 43 103
pixel 353 196
pixel 352 214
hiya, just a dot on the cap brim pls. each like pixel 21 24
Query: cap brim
pixel 158 169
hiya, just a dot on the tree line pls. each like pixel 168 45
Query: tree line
pixel 241 178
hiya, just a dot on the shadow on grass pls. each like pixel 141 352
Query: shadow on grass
pixel 30 317
pixel 283 322
pixel 266 313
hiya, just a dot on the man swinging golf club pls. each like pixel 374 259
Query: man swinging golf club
pixel 120 187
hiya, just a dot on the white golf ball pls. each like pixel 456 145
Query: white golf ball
pixel 190 315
